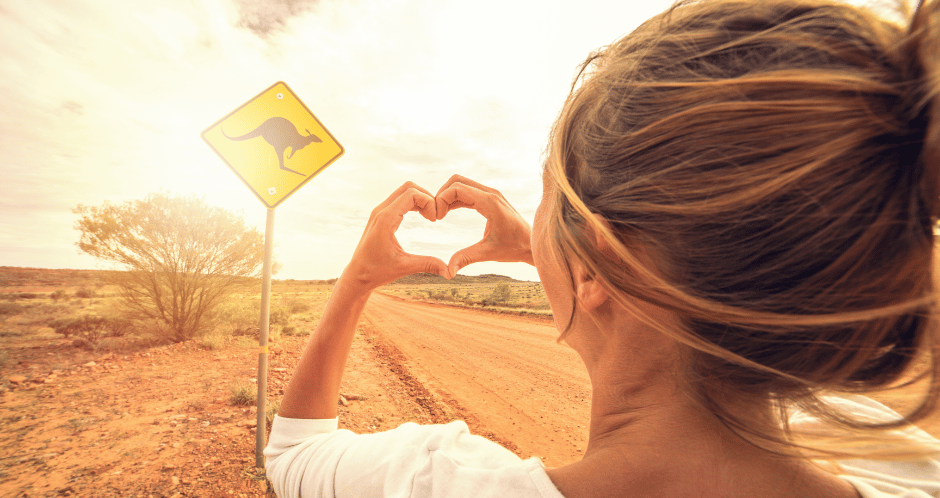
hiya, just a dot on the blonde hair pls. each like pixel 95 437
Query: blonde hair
pixel 779 162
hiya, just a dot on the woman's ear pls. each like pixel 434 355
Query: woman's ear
pixel 590 291
pixel 591 294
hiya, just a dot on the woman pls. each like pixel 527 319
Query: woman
pixel 738 217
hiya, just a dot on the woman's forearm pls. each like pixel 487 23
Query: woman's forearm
pixel 314 388
pixel 379 259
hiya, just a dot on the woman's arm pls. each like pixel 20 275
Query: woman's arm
pixel 314 386
pixel 379 259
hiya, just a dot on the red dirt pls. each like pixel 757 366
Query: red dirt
pixel 504 374
pixel 159 423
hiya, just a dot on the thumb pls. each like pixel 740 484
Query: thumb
pixel 464 257
pixel 426 264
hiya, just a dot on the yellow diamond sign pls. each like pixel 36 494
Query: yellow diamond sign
pixel 273 143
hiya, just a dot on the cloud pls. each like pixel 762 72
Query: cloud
pixel 268 16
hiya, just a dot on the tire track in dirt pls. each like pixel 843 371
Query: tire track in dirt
pixel 505 372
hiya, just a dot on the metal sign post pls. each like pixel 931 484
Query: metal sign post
pixel 262 418
pixel 275 145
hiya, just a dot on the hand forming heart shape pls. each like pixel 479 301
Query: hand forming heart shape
pixel 380 259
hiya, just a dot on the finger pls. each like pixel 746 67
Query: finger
pixel 459 195
pixel 409 200
pixel 425 264
pixel 466 256
pixel 397 194
pixel 455 179
pixel 466 181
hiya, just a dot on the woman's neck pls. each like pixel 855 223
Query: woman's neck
pixel 649 438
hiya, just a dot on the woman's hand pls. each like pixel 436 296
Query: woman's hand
pixel 506 237
pixel 379 258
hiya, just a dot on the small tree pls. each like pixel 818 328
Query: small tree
pixel 182 255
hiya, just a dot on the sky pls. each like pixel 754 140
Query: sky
pixel 105 100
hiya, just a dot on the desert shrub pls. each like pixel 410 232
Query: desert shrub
pixel 296 331
pixel 118 327
pixel 212 341
pixel 10 309
pixel 441 295
pixel 243 393
pixel 243 317
pixel 501 293
pixel 85 293
pixel 278 315
pixel 26 295
pixel 46 309
pixel 183 256
pixel 297 307
pixel 90 328
pixel 291 330
pixel 454 291
pixel 58 294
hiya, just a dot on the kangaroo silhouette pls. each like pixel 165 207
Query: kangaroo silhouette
pixel 281 134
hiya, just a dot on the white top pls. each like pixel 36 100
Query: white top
pixel 311 458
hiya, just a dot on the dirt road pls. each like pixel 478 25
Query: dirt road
pixel 508 374
pixel 505 371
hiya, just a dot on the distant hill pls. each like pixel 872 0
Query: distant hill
pixel 44 278
pixel 49 279
pixel 431 278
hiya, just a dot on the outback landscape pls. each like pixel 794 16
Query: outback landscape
pixel 130 413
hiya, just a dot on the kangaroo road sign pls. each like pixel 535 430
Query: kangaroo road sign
pixel 273 143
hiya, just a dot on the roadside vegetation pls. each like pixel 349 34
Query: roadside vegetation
pixel 490 292
pixel 82 309
pixel 182 257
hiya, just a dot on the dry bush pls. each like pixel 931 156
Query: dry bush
pixel 182 256
pixel 212 341
pixel 11 309
pixel 243 393
pixel 243 316
pixel 296 306
pixel 85 293
pixel 90 329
